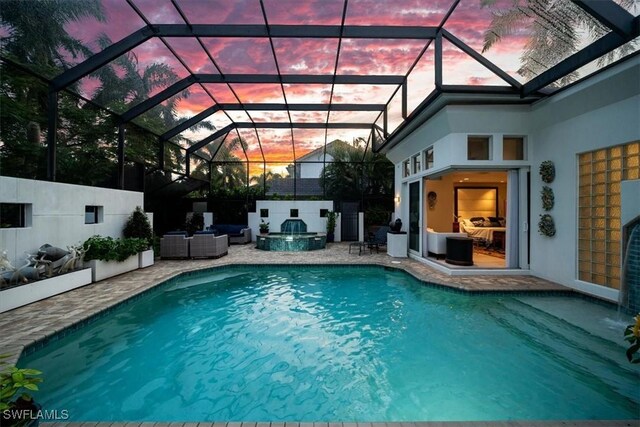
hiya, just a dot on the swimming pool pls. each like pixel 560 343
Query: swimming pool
pixel 338 344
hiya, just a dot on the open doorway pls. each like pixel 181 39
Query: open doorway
pixel 471 204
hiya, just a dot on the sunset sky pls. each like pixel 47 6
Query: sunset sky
pixel 468 22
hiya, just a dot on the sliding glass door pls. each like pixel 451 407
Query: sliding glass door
pixel 414 216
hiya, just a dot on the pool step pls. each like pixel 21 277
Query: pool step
pixel 602 361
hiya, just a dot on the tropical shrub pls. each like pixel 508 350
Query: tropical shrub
pixel 138 226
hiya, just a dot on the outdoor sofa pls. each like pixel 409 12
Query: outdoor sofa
pixel 238 234
pixel 205 244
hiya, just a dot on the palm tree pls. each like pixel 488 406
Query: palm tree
pixel 554 27
pixel 356 172
pixel 229 173
pixel 37 35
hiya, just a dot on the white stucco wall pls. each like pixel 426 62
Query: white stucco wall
pixel 600 112
pixel 279 210
pixel 587 117
pixel 58 214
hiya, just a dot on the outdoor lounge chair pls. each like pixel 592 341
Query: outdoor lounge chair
pixel 174 246
pixel 377 239
pixel 208 245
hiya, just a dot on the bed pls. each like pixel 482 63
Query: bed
pixel 482 228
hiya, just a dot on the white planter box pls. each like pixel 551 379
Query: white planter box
pixel 101 270
pixel 145 258
pixel 31 292
pixel 397 245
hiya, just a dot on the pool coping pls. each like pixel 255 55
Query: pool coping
pixel 509 423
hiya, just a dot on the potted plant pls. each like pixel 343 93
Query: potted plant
pixel 331 225
pixel 16 404
pixel 195 222
pixel 138 227
pixel 264 227
pixel 109 257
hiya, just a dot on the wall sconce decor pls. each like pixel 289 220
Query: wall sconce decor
pixel 397 200
pixel 432 198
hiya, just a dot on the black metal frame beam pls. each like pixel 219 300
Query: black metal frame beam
pixel 610 14
pixel 295 31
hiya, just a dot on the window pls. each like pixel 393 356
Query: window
pixel 264 213
pixel 323 213
pixel 428 158
pixel 406 171
pixel 416 164
pixel 293 213
pixel 513 148
pixel 15 215
pixel 599 205
pixel 479 148
pixel 93 214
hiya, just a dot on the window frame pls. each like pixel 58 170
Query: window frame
pixel 476 138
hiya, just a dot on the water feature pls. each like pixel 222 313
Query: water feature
pixel 629 298
pixel 293 237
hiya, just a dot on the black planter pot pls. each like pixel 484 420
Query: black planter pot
pixel 330 237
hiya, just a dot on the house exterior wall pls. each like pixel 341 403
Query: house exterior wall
pixel 601 112
pixel 58 214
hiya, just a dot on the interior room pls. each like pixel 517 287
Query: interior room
pixel 471 203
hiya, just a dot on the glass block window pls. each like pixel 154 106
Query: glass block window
pixel 479 148
pixel 428 158
pixel 599 202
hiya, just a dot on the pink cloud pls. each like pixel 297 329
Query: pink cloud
pixel 159 11
pixel 306 56
pixel 308 116
pixel 347 93
pixel 307 93
pixel 318 12
pixel 253 93
pixel 353 116
pixel 241 55
pixel 221 93
pixel 378 56
pixel 222 11
pixel 396 12
pixel 269 116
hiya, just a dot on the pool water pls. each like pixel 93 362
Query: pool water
pixel 338 344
